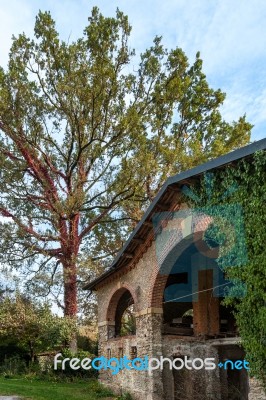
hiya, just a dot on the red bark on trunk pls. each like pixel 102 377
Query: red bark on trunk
pixel 70 290
pixel 70 240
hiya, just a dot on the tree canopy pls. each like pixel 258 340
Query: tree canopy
pixel 33 326
pixel 86 141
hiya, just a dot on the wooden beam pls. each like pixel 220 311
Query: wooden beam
pixel 174 189
pixel 189 182
pixel 148 223
pixel 128 255
pixel 138 240
pixel 164 207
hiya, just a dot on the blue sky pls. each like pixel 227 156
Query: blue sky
pixel 230 35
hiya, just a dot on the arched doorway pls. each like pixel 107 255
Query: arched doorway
pixel 121 314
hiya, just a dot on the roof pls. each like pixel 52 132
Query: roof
pixel 161 203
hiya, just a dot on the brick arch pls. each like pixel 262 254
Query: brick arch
pixel 174 246
pixel 156 295
pixel 161 274
pixel 114 298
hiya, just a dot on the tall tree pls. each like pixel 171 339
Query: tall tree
pixel 85 143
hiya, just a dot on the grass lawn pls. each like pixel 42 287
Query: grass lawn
pixel 42 390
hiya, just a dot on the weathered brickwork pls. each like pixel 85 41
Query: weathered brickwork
pixel 139 281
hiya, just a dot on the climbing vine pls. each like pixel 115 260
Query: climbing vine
pixel 235 197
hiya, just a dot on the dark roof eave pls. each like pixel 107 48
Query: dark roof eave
pixel 217 162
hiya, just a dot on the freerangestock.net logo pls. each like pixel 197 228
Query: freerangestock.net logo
pixel 115 365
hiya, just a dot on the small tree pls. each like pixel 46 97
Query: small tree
pixel 33 326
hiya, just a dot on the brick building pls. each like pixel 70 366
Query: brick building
pixel 162 297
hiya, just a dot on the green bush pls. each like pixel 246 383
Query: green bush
pixel 71 373
pixel 125 396
pixel 13 366
pixel 87 344
pixel 17 366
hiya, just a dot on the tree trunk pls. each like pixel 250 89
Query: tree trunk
pixel 70 297
pixel 31 351
pixel 70 290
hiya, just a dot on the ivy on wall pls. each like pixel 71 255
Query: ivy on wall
pixel 235 197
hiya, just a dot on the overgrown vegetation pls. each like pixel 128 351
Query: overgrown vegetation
pixel 32 326
pixel 240 191
pixel 30 336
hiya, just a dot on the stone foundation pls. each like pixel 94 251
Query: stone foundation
pixel 256 391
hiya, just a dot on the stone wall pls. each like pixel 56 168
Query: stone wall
pixel 147 341
pixel 256 391
pixel 197 384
